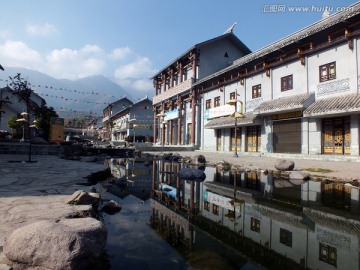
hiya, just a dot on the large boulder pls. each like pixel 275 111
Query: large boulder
pixel 111 207
pixel 284 165
pixel 60 244
pixel 299 175
pixel 191 174
pixel 81 197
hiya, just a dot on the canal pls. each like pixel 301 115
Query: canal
pixel 231 220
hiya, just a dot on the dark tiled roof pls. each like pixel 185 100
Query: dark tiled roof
pixel 335 105
pixel 286 104
pixel 223 122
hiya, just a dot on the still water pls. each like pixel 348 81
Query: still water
pixel 232 220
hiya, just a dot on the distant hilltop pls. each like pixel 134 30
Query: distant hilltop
pixel 82 97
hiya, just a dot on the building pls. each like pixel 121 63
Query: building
pixel 299 95
pixel 176 98
pixel 124 120
pixel 11 105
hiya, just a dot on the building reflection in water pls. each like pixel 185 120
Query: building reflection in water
pixel 277 223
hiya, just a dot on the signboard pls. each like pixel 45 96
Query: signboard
pixel 224 202
pixel 174 114
pixel 223 110
pixel 56 129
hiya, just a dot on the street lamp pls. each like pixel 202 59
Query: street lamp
pixel 23 120
pixel 162 115
pixel 236 115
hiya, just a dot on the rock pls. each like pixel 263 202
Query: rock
pixel 63 244
pixel 81 197
pixel 298 175
pixel 191 174
pixel 198 160
pixel 111 207
pixel 282 184
pixel 284 165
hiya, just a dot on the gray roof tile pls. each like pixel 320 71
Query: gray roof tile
pixel 293 103
pixel 335 105
pixel 223 122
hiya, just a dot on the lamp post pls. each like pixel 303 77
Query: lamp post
pixel 236 115
pixel 23 120
pixel 161 115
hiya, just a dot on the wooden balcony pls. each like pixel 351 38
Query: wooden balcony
pixel 173 91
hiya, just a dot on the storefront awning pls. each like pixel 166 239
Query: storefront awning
pixel 286 104
pixel 335 105
pixel 227 121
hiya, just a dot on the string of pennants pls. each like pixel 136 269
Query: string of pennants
pixel 68 90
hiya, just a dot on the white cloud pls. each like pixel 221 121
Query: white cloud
pixel 17 53
pixel 136 74
pixel 121 53
pixel 45 29
pixel 129 70
pixel 74 64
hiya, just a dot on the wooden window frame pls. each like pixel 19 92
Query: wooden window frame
pixel 287 83
pixel 327 72
pixel 207 206
pixel 256 91
pixel 208 104
pixel 215 209
pixel 232 95
pixel 286 237
pixel 328 254
pixel 216 101
pixel 255 224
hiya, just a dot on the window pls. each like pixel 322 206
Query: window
pixel 256 91
pixel 286 83
pixel 215 209
pixel 255 225
pixel 217 102
pixel 207 206
pixel 285 237
pixel 327 254
pixel 232 95
pixel 208 103
pixel 327 72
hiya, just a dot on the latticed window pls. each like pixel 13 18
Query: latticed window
pixel 255 224
pixel 217 102
pixel 208 104
pixel 285 237
pixel 327 72
pixel 328 254
pixel 287 83
pixel 256 91
pixel 215 209
pixel 207 206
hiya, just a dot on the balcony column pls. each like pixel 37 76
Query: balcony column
pixel 193 58
pixel 163 80
pixel 155 126
pixel 193 116
pixel 180 70
pixel 180 106
pixel 171 72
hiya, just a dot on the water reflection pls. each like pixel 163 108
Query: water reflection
pixel 234 220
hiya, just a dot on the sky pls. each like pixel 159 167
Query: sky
pixel 129 41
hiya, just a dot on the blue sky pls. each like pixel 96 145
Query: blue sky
pixel 129 41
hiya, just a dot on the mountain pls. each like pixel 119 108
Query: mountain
pixel 71 98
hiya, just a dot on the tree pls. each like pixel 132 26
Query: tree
pixel 13 124
pixel 43 116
